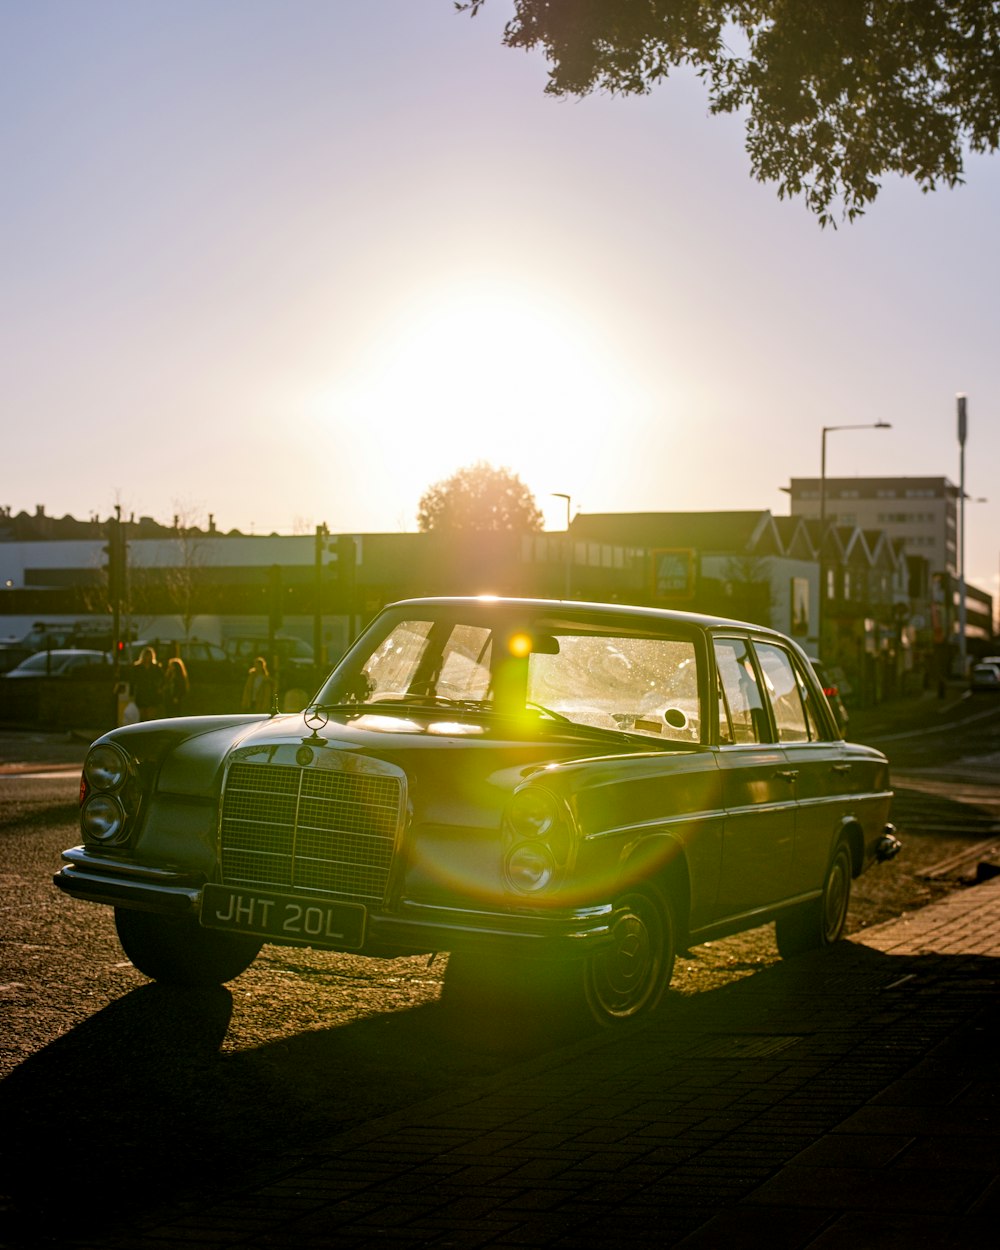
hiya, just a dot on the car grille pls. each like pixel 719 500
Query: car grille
pixel 320 830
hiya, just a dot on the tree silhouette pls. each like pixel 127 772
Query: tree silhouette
pixel 837 93
pixel 479 497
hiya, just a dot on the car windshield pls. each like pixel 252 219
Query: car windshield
pixel 593 673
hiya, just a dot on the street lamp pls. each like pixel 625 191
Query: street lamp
pixel 830 429
pixel 556 494
pixel 963 426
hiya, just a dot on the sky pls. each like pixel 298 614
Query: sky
pixel 289 261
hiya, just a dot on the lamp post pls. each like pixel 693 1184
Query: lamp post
pixel 556 494
pixel 830 429
pixel 963 426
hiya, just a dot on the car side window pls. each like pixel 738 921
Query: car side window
pixel 817 732
pixel 785 693
pixel 741 709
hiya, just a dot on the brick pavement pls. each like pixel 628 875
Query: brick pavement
pixel 843 1099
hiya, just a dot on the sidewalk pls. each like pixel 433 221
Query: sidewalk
pixel 841 1100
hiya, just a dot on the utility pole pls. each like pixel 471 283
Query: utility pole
pixel 322 534
pixel 568 571
pixel 830 429
pixel 117 572
pixel 963 425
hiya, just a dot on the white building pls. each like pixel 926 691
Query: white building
pixel 921 511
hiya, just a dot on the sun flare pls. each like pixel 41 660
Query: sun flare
pixel 490 372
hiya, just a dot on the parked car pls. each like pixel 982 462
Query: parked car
pixel 69 662
pixel 291 659
pixel 572 790
pixel 984 677
pixel 831 688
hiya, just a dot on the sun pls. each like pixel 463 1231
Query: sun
pixel 492 371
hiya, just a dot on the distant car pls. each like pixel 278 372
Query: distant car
pixel 832 691
pixel 84 635
pixel 552 792
pixel 985 677
pixel 63 663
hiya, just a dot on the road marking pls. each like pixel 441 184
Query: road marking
pixel 935 729
pixel 52 774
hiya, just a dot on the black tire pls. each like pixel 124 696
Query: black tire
pixel 628 980
pixel 821 922
pixel 180 952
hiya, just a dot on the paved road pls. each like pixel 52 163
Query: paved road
pixel 314 1102
pixel 841 1100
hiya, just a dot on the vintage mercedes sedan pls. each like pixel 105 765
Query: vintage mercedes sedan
pixel 583 789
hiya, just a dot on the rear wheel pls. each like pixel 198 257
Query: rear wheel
pixel 178 951
pixel 628 980
pixel 821 922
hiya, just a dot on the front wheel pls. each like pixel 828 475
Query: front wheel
pixel 179 951
pixel 629 979
pixel 821 922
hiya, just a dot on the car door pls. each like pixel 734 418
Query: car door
pixel 758 792
pixel 815 760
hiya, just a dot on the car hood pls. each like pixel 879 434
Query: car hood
pixel 495 755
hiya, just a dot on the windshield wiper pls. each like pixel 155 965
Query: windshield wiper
pixel 409 701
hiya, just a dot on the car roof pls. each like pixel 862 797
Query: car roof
pixel 67 651
pixel 621 611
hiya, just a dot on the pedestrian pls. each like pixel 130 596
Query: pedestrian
pixel 176 686
pixel 147 684
pixel 258 692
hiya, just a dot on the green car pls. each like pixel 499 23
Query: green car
pixel 559 792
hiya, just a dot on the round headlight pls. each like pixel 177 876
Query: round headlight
pixel 106 767
pixel 530 867
pixel 103 819
pixel 533 812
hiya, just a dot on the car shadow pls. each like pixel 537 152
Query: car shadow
pixel 140 1107
pixel 140 1111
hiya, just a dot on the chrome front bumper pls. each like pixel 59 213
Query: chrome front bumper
pixel 414 927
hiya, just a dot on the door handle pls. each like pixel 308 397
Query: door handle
pixel 789 774
pixel 841 768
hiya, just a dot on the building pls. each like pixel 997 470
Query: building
pixel 921 514
pixel 853 594
pixel 763 568
pixel 920 511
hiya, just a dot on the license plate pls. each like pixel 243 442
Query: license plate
pixel 284 917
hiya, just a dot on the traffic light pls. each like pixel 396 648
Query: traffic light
pixel 116 563
pixel 339 556
pixel 344 558
pixel 337 559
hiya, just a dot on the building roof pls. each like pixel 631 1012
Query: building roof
pixel 704 531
